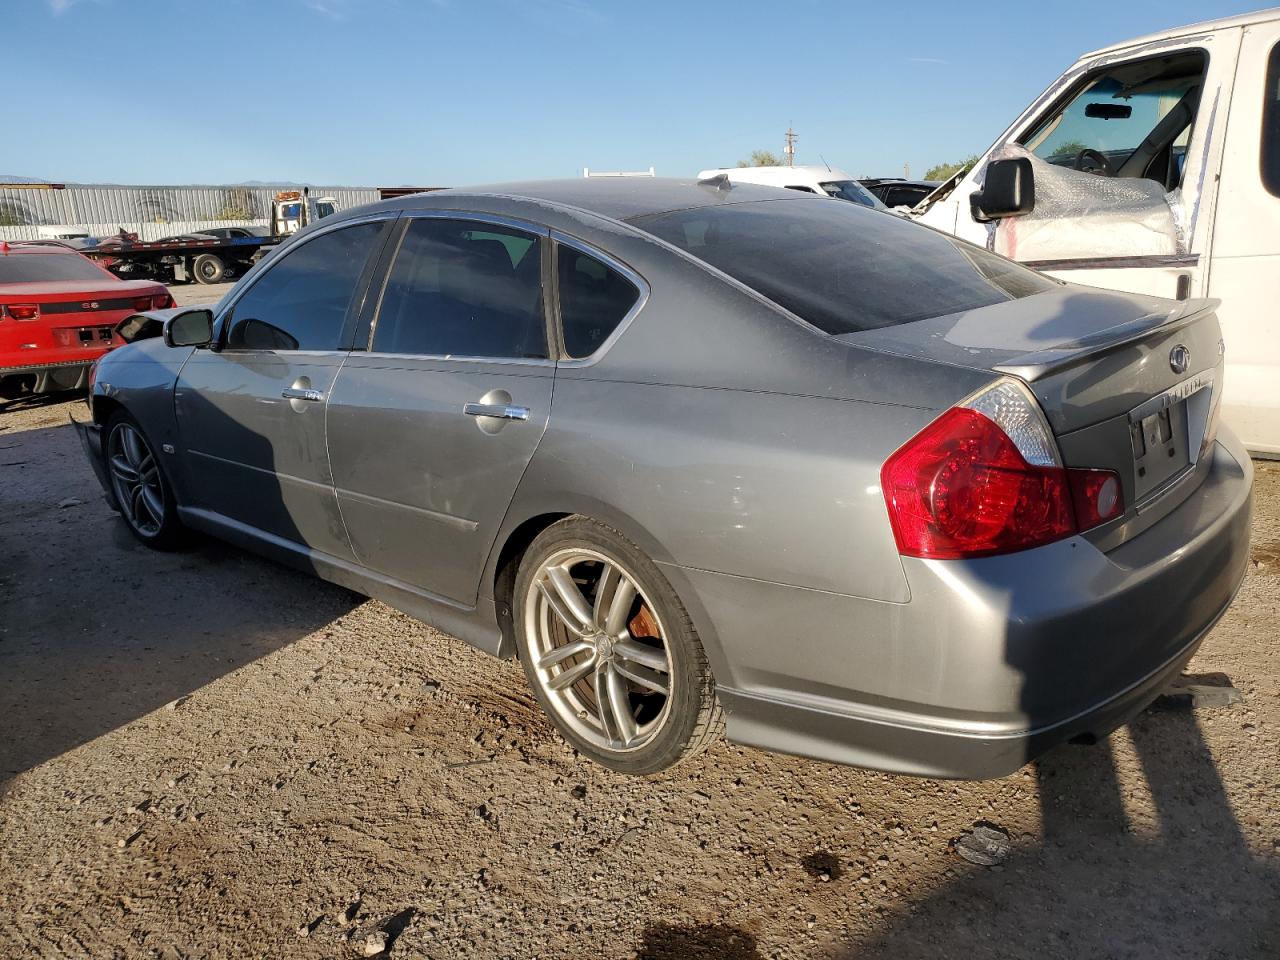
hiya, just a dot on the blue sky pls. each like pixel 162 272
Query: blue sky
pixel 449 92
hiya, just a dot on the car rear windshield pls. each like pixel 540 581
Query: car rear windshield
pixel 841 267
pixel 29 267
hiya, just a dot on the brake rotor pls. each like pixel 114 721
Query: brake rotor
pixel 643 624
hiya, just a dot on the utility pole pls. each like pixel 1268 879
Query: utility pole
pixel 790 149
pixel 906 171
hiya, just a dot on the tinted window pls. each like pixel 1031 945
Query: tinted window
pixel 1271 125
pixel 28 267
pixel 593 300
pixel 843 267
pixel 904 196
pixel 852 191
pixel 301 303
pixel 461 289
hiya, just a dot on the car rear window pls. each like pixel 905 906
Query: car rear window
pixel 842 267
pixel 28 267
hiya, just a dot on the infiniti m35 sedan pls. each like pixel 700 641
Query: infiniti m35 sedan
pixel 711 457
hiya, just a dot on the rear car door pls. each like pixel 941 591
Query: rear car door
pixel 251 414
pixel 431 428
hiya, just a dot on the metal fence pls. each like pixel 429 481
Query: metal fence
pixel 151 212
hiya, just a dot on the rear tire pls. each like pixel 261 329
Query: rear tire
pixel 208 268
pixel 140 490
pixel 610 652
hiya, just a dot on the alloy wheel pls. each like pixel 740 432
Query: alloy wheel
pixel 598 649
pixel 135 477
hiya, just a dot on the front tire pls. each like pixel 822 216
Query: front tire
pixel 141 492
pixel 610 651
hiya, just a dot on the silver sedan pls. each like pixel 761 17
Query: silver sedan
pixel 708 456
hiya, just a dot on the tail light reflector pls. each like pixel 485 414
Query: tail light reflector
pixel 141 303
pixel 162 302
pixel 24 311
pixel 986 478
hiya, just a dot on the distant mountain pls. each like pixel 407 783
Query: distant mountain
pixel 10 178
pixel 273 183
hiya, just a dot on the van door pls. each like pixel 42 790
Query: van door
pixel 1124 148
pixel 1244 264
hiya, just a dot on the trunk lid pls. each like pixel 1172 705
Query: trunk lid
pixel 1128 383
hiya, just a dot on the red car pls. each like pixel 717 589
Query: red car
pixel 57 314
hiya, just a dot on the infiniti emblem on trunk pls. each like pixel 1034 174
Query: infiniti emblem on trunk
pixel 1179 359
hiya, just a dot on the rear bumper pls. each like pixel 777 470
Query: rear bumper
pixel 66 375
pixel 992 661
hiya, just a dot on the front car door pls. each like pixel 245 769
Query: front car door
pixel 431 427
pixel 251 413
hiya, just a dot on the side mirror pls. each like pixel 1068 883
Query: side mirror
pixel 191 328
pixel 1009 191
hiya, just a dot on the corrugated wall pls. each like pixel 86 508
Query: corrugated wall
pixel 150 212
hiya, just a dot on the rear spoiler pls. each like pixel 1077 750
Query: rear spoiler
pixel 1042 363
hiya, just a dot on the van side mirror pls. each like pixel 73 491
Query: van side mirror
pixel 1009 191
pixel 191 328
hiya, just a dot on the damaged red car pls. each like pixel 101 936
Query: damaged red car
pixel 58 312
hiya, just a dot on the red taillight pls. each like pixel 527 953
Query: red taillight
pixel 1096 495
pixel 141 303
pixel 24 311
pixel 986 478
pixel 960 488
pixel 161 302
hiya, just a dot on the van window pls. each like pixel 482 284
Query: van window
pixel 1271 125
pixel 1127 120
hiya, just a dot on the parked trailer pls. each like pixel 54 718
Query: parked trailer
pixel 210 260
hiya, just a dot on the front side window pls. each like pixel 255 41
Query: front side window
pixel 841 267
pixel 1129 120
pixel 594 298
pixel 1271 125
pixel 302 302
pixel 463 289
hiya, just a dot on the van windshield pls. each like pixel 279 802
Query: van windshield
pixel 842 267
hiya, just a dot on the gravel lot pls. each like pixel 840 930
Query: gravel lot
pixel 207 755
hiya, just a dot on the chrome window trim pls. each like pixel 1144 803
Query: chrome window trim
pixel 539 232
pixel 613 263
pixel 449 358
pixel 287 247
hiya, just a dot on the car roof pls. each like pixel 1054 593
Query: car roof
pixel 618 198
pixel 1189 30
pixel 34 246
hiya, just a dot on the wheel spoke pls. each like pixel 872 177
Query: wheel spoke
pixel 605 586
pixel 154 503
pixel 573 607
pixel 567 678
pixel 620 607
pixel 649 679
pixel 557 654
pixel 641 654
pixel 123 469
pixel 619 705
pixel 132 446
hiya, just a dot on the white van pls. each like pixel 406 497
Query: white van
pixel 831 181
pixel 1153 166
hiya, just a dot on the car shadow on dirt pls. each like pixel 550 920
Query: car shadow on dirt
pixel 98 630
pixel 1113 873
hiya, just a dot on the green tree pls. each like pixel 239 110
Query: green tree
pixel 944 170
pixel 1069 150
pixel 761 158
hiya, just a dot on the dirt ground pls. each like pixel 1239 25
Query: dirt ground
pixel 207 755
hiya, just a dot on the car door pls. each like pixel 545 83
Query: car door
pixel 251 413
pixel 431 428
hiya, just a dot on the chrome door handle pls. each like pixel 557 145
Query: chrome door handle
pixel 501 411
pixel 299 393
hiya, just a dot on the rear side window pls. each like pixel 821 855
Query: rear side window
pixel 1271 125
pixel 842 267
pixel 593 300
pixel 31 267
pixel 301 303
pixel 459 288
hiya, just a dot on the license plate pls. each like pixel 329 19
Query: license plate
pixel 1160 448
